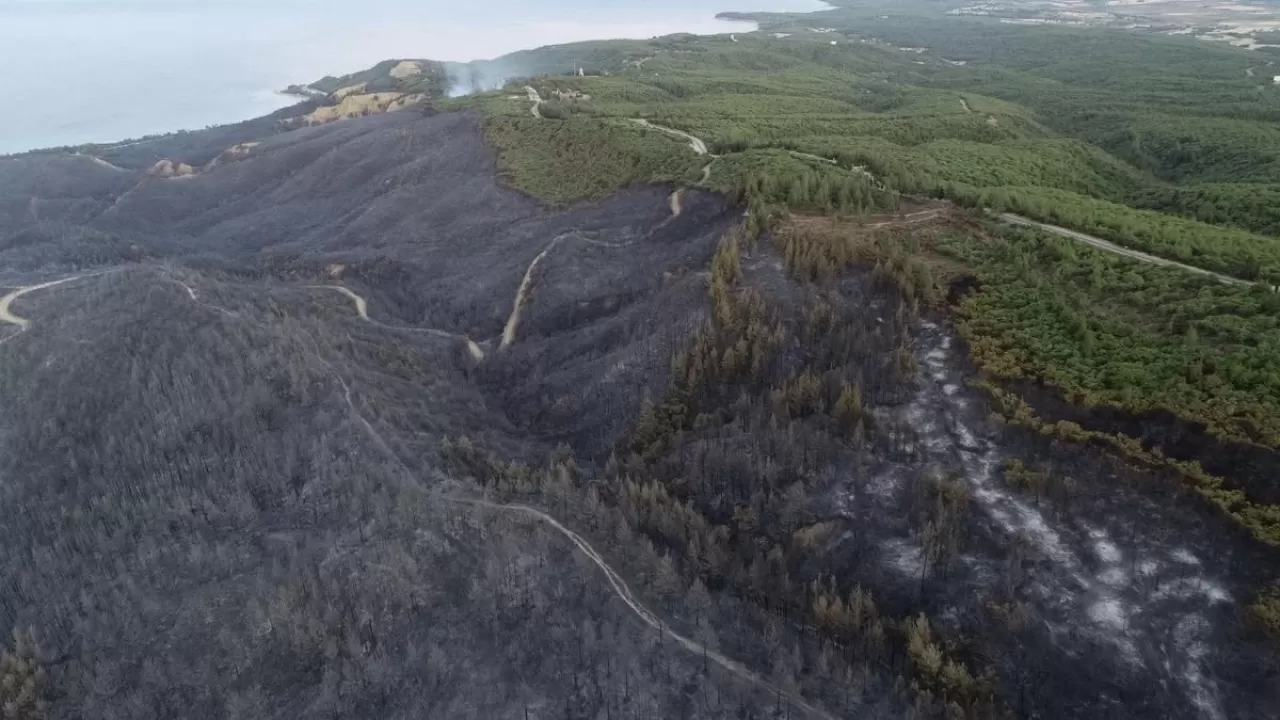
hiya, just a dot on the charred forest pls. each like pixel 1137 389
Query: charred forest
pixel 338 424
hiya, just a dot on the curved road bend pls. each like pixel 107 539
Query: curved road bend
pixel 362 309
pixel 694 141
pixel 619 586
pixel 1111 247
pixel 676 207
pixel 536 99
pixel 526 284
pixel 647 616
pixel 522 294
pixel 195 298
pixel 6 302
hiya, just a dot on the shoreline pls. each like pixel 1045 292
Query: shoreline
pixel 299 91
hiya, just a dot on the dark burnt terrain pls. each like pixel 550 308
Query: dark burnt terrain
pixel 227 494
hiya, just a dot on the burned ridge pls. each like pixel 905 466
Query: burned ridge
pixel 245 451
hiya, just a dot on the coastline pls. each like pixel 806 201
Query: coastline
pixel 145 120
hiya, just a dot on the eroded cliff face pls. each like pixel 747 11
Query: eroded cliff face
pixel 237 429
pixel 389 86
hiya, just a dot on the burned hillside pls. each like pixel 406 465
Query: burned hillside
pixel 338 424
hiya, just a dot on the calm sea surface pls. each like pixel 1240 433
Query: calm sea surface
pixel 76 71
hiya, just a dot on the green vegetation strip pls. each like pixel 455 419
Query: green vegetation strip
pixel 1107 330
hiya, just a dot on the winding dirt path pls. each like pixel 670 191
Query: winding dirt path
pixel 522 294
pixel 526 284
pixel 694 141
pixel 811 156
pixel 100 162
pixel 1111 247
pixel 619 586
pixel 697 144
pixel 362 309
pixel 536 99
pixel 6 302
pixel 647 616
pixel 195 298
pixel 676 207
pixel 191 292
pixel 965 104
pixel 855 170
pixel 362 305
pixel 914 218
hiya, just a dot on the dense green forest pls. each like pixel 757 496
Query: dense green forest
pixel 1166 124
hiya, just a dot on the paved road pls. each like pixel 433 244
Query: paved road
pixel 1111 247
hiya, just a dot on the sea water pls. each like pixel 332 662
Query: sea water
pixel 78 71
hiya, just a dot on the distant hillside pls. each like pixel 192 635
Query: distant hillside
pixel 425 77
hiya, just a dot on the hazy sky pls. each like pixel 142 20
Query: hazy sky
pixel 99 70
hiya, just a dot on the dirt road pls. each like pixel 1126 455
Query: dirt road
pixel 536 99
pixel 191 292
pixel 647 616
pixel 1118 249
pixel 6 302
pixel 811 156
pixel 362 305
pixel 856 170
pixel 909 219
pixel 526 284
pixel 522 294
pixel 362 309
pixel 102 163
pixel 695 142
pixel 619 586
